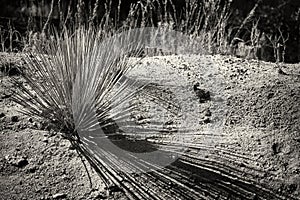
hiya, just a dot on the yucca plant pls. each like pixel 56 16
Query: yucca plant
pixel 77 83
pixel 72 70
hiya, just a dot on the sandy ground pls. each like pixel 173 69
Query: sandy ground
pixel 252 121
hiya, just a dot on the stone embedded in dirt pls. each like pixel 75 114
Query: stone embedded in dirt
pixel 16 161
pixel 45 139
pixel 184 66
pixel 276 147
pixel 196 86
pixel 139 117
pixel 270 95
pixel 70 146
pixel 207 113
pixel 170 122
pixel 2 115
pixel 202 94
pixel 206 120
pixel 14 118
pixel 59 196
pixel 37 125
pixel 32 169
pixel 22 162
pixel 242 165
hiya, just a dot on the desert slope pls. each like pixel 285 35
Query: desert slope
pixel 251 125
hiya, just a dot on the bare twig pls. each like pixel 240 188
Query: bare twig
pixel 48 18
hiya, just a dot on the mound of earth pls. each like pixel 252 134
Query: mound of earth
pixel 252 118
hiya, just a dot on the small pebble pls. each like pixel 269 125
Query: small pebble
pixel 45 139
pixel 207 113
pixel 206 120
pixel 276 148
pixel 270 95
pixel 202 94
pixel 2 115
pixel 101 195
pixel 14 118
pixel 21 163
pixel 59 196
pixel 32 169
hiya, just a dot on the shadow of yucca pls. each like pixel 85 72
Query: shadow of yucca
pixel 125 142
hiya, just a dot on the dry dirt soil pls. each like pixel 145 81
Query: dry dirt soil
pixel 253 117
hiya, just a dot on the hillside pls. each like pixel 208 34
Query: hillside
pixel 248 130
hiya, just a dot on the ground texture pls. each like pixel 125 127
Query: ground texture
pixel 252 117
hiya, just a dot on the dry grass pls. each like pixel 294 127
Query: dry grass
pixel 207 21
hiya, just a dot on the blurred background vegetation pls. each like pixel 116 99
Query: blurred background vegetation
pixel 263 29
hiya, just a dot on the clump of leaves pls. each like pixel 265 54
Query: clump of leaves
pixel 74 70
pixel 78 83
